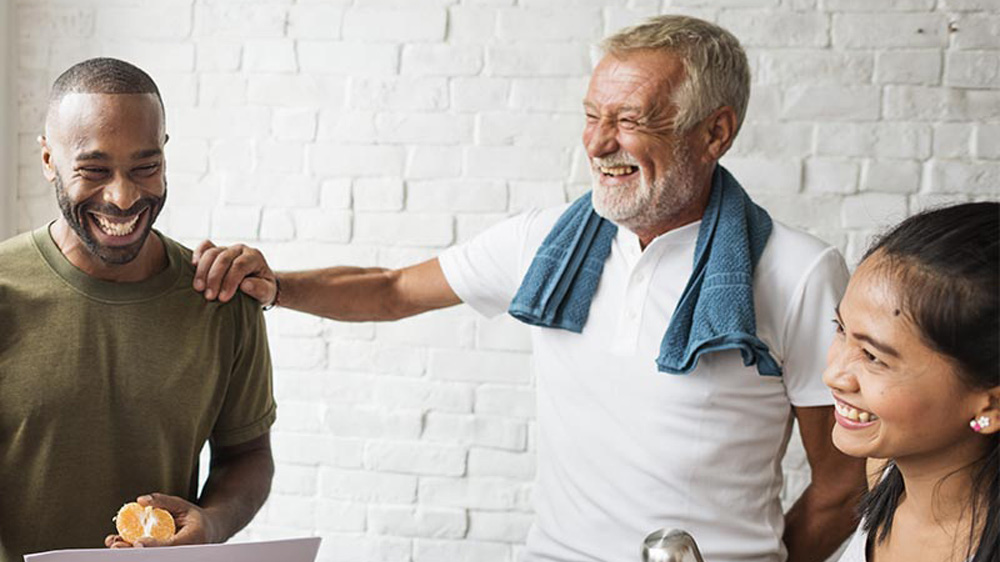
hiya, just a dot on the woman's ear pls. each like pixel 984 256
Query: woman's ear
pixel 987 420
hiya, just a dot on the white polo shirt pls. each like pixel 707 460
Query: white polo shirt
pixel 623 449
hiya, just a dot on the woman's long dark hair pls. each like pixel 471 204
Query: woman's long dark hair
pixel 947 262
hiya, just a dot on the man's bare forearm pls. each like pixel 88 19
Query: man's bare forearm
pixel 236 488
pixel 815 526
pixel 341 293
pixel 825 515
pixel 359 294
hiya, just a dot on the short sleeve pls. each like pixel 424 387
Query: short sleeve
pixel 485 272
pixel 808 330
pixel 248 410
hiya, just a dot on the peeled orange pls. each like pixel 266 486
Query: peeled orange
pixel 135 522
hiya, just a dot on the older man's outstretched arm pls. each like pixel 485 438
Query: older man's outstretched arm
pixel 341 293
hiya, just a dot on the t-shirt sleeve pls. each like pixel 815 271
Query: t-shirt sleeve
pixel 809 330
pixel 248 410
pixel 486 271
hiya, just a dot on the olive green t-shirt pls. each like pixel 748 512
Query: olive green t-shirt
pixel 110 390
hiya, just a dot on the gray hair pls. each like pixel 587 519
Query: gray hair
pixel 716 68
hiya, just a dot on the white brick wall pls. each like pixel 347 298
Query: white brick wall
pixel 377 132
pixel 8 110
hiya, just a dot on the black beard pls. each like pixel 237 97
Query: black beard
pixel 76 217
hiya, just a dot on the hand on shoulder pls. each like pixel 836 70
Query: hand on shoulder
pixel 222 270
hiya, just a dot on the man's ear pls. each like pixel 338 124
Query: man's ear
pixel 48 167
pixel 718 132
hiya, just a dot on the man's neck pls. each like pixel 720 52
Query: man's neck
pixel 694 212
pixel 646 236
pixel 151 260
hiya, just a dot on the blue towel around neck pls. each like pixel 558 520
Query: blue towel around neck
pixel 716 310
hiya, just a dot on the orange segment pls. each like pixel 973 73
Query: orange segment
pixel 135 522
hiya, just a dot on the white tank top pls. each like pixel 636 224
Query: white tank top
pixel 856 550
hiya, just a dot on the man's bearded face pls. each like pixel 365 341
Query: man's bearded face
pixel 104 156
pixel 113 235
pixel 640 203
pixel 642 170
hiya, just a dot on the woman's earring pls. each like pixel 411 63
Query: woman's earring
pixel 980 423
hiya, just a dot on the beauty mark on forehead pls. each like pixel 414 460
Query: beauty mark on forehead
pixel 877 344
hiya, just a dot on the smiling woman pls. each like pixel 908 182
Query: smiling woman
pixel 913 369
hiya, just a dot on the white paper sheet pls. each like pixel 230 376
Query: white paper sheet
pixel 290 550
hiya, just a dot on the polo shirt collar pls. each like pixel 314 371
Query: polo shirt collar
pixel 628 241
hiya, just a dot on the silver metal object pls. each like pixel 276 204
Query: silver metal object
pixel 670 545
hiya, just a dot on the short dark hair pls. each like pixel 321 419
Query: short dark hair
pixel 103 75
pixel 947 264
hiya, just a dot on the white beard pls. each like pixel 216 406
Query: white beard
pixel 641 205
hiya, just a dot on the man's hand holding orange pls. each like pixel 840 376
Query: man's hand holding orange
pixel 193 524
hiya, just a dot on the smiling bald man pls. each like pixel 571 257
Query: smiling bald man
pixel 114 373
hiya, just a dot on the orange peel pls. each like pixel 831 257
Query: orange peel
pixel 136 522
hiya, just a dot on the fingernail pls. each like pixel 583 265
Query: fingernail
pixel 210 294
pixel 199 284
pixel 146 498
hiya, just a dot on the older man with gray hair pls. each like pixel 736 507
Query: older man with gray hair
pixel 678 331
